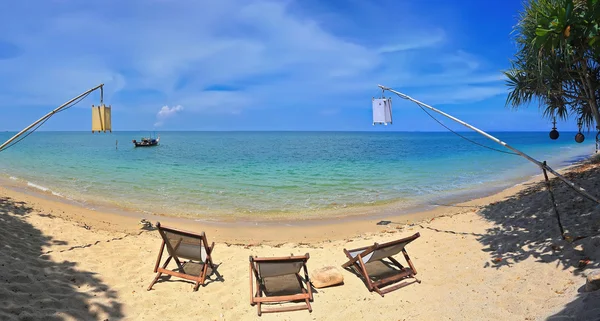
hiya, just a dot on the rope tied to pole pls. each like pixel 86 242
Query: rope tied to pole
pixel 542 165
pixel 553 201
pixel 11 141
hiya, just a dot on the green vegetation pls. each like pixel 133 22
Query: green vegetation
pixel 558 59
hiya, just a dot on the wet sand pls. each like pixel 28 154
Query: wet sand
pixel 495 257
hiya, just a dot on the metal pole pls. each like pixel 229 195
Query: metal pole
pixel 529 158
pixel 48 115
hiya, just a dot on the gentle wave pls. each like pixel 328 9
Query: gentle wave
pixel 229 173
pixel 40 187
pixel 36 186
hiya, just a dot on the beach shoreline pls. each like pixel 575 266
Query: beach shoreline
pixel 74 263
pixel 275 178
pixel 276 229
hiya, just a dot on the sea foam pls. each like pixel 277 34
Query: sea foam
pixel 36 186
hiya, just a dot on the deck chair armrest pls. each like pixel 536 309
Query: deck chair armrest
pixel 252 265
pixel 253 268
pixel 204 241
pixel 351 261
pixel 406 240
pixel 180 231
pixel 362 248
pixel 281 258
pixel 367 250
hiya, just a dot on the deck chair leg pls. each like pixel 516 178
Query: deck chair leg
pixel 400 266
pixel 160 253
pixel 251 292
pixel 213 270
pixel 204 271
pixel 188 250
pixel 359 270
pixel 365 274
pixel 159 273
pixel 359 257
pixel 201 277
pixel 258 294
pixel 262 294
pixel 154 281
pixel 308 285
pixel 308 305
pixel 376 289
pixel 305 291
pixel 407 258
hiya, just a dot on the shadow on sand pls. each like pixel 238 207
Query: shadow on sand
pixel 526 227
pixel 37 288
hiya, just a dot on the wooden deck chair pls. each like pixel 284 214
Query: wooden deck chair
pixel 184 245
pixel 360 257
pixel 269 271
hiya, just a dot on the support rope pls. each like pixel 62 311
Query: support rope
pixel 463 137
pixel 553 200
pixel 45 120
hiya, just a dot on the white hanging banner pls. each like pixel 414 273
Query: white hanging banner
pixel 382 111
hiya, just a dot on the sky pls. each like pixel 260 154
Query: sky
pixel 259 65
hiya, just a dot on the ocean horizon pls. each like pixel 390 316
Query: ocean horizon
pixel 262 174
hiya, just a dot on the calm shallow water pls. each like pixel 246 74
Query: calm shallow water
pixel 226 173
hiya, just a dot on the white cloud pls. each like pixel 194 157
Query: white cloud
pixel 165 113
pixel 273 56
pixel 466 94
pixel 330 111
pixel 417 41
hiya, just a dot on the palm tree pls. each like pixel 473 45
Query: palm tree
pixel 557 62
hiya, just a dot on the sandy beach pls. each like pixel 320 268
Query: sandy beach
pixel 497 257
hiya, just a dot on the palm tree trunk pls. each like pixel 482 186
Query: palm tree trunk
pixel 596 114
pixel 591 93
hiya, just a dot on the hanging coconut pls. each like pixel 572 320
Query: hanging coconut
pixel 579 136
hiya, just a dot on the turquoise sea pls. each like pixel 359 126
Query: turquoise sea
pixel 216 174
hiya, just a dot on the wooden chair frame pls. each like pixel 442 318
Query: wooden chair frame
pixel 199 279
pixel 257 298
pixel 403 272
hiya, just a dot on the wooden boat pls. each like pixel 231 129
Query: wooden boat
pixel 146 142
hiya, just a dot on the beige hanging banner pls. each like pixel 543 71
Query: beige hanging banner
pixel 101 121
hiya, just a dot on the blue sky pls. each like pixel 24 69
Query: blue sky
pixel 258 65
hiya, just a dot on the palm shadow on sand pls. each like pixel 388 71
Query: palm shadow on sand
pixel 526 227
pixel 36 288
